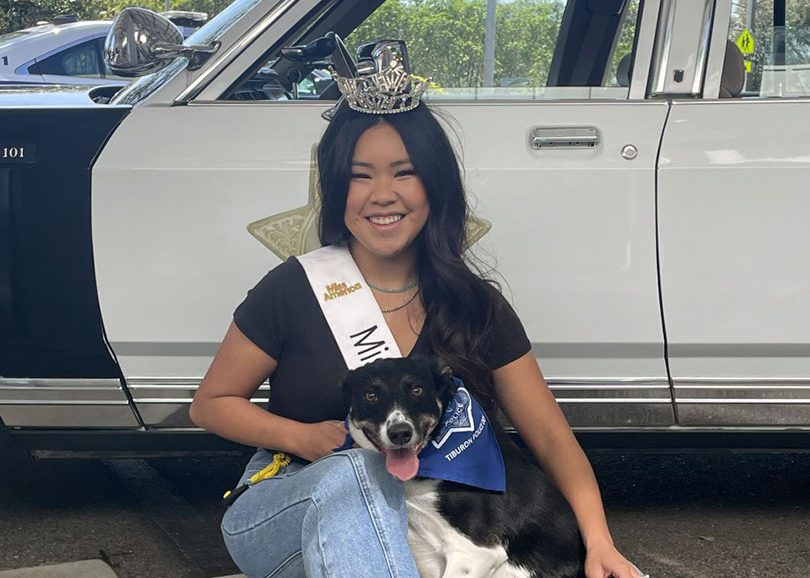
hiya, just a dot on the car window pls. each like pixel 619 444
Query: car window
pixel 515 51
pixel 80 60
pixel 773 46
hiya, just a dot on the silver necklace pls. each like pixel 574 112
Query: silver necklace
pixel 407 287
pixel 403 304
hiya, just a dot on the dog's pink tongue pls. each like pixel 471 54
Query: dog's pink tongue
pixel 402 463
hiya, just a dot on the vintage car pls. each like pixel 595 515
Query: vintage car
pixel 642 197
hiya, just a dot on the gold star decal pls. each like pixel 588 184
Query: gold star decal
pixel 295 232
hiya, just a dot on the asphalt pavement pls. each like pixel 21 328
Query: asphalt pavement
pixel 712 514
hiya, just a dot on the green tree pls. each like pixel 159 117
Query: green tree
pixel 446 37
pixel 17 14
pixel 526 35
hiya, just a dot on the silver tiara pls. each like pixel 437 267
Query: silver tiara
pixel 381 83
pixel 390 91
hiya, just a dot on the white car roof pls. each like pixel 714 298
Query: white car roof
pixel 39 41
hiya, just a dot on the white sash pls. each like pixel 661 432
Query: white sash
pixel 352 313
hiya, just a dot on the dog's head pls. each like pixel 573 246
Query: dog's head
pixel 394 406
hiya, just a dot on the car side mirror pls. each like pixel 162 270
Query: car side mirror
pixel 141 41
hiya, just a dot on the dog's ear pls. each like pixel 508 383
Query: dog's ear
pixel 443 375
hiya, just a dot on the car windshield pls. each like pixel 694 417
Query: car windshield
pixel 213 30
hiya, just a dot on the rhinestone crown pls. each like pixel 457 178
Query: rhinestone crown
pixel 388 91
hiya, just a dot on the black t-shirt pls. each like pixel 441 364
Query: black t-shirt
pixel 281 315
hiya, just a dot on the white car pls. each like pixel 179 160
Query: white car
pixel 68 51
pixel 644 199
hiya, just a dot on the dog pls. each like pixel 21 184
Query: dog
pixel 456 530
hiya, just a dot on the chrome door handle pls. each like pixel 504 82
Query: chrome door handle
pixel 577 137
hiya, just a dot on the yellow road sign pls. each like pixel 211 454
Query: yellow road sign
pixel 748 66
pixel 745 41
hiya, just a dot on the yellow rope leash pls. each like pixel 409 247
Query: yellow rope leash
pixel 280 460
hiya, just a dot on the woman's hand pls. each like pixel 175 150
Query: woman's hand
pixel 316 440
pixel 604 561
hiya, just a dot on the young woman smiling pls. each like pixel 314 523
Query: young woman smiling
pixel 392 194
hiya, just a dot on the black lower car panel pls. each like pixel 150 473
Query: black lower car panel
pixel 50 322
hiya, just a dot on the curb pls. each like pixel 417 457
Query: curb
pixel 84 568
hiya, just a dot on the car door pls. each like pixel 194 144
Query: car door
pixel 560 160
pixel 733 205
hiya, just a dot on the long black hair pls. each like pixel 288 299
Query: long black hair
pixel 459 303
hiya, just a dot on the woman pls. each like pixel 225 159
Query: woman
pixel 392 193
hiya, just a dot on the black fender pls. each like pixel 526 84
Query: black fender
pixel 50 320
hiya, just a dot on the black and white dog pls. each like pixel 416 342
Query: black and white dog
pixel 454 530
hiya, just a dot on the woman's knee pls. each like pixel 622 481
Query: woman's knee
pixel 349 462
pixel 359 468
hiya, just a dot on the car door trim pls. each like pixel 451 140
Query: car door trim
pixel 717 51
pixel 642 56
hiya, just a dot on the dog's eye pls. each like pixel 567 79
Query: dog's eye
pixel 417 390
pixel 370 396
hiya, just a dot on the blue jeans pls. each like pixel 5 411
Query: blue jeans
pixel 343 516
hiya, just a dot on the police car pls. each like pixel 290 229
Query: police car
pixel 63 51
pixel 645 199
pixel 67 51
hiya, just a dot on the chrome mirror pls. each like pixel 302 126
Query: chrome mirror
pixel 141 41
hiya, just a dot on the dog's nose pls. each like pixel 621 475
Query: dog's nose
pixel 400 433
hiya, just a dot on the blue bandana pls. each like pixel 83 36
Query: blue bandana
pixel 463 447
